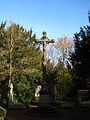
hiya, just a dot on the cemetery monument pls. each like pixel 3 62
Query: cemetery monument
pixel 44 95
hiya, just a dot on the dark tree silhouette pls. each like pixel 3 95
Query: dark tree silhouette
pixel 80 59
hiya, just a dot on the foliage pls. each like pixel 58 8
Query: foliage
pixel 57 72
pixel 58 88
pixel 80 59
pixel 50 77
pixel 63 80
pixel 20 61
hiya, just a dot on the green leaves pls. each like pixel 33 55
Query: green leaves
pixel 20 59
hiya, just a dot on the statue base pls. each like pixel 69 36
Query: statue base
pixel 44 101
pixel 44 96
pixel 43 108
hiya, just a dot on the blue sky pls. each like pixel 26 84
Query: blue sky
pixel 56 17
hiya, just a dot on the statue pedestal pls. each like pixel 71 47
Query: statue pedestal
pixel 44 101
pixel 44 96
pixel 43 108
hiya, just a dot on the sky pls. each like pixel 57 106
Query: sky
pixel 56 17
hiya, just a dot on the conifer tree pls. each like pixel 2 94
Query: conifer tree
pixel 80 59
pixel 20 61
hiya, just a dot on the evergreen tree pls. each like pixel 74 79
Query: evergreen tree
pixel 20 61
pixel 4 78
pixel 80 59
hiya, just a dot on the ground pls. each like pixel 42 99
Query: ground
pixel 67 114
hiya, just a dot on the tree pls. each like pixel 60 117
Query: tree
pixel 63 89
pixel 4 78
pixel 51 54
pixel 63 46
pixel 80 59
pixel 20 61
pixel 50 77
pixel 57 55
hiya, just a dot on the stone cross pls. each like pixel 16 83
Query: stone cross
pixel 44 40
